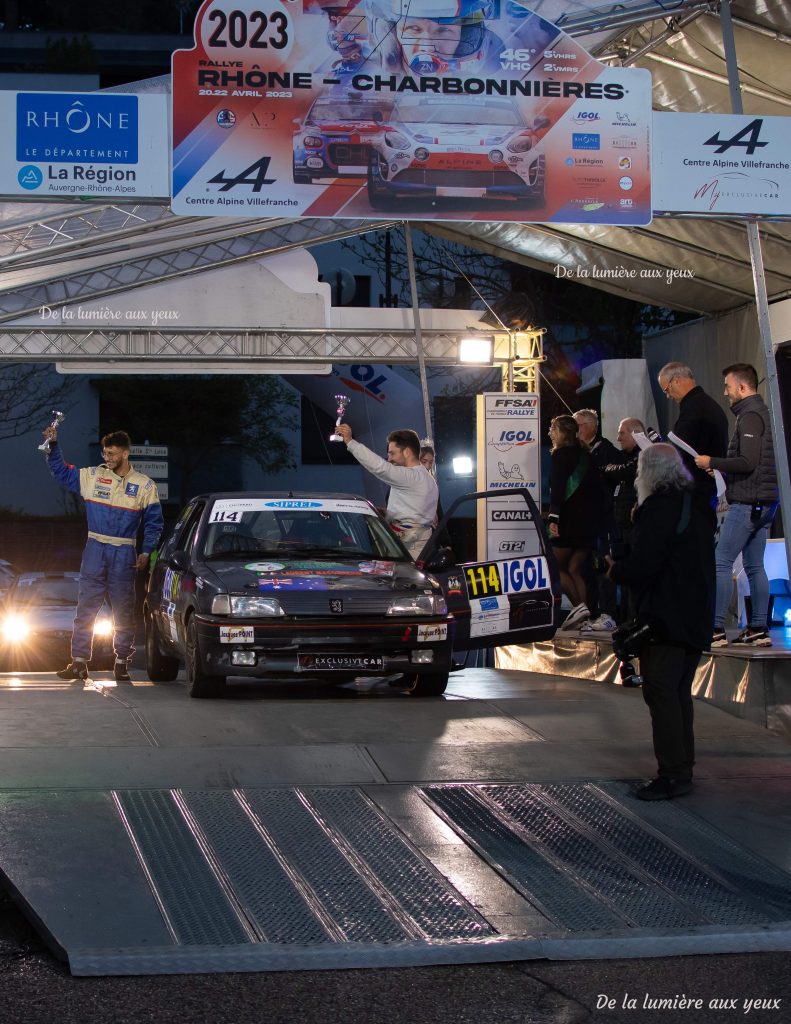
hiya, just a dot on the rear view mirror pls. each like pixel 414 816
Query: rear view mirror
pixel 179 560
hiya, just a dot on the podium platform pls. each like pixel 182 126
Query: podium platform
pixel 754 684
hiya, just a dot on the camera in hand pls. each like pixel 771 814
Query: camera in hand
pixel 629 638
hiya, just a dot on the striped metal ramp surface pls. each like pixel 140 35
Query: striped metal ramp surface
pixel 196 881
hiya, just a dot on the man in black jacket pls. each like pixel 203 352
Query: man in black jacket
pixel 701 422
pixel 670 570
pixel 752 497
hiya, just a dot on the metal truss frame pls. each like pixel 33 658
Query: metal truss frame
pixel 233 243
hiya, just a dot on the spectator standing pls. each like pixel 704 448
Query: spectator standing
pixel 118 499
pixel 575 512
pixel 670 569
pixel 413 498
pixel 752 496
pixel 701 422
pixel 601 592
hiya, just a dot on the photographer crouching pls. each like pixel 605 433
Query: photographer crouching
pixel 670 571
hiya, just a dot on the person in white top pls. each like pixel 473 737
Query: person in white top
pixel 412 504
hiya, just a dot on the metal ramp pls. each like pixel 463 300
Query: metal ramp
pixel 197 881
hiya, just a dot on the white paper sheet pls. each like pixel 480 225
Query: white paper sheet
pixel 718 477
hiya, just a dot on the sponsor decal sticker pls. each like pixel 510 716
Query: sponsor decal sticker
pixel 430 634
pixel 237 634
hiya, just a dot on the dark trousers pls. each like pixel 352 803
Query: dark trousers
pixel 667 673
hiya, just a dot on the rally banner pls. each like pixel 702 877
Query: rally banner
pixel 509 456
pixel 718 164
pixel 443 109
pixel 89 145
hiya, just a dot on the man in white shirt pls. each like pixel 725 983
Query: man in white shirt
pixel 412 504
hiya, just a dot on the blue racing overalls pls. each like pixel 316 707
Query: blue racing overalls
pixel 116 505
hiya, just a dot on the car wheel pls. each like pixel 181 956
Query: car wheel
pixel 300 178
pixel 199 683
pixel 378 198
pixel 159 667
pixel 432 685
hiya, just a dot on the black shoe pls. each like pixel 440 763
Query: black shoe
pixel 629 677
pixel 664 789
pixel 74 670
pixel 753 637
pixel 121 672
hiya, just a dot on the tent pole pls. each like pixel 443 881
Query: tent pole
pixel 761 301
pixel 421 356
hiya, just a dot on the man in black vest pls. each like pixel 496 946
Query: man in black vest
pixel 750 472
pixel 701 423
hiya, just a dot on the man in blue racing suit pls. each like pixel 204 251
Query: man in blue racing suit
pixel 117 498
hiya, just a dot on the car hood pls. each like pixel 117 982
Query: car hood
pixel 461 134
pixel 294 575
pixel 56 617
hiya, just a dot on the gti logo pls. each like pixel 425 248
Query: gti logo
pixel 513 546
pixel 586 117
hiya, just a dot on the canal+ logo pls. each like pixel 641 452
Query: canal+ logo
pixel 76 127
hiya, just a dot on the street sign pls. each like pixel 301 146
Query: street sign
pixel 149 451
pixel 156 470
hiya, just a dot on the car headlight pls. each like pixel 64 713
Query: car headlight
pixel 418 604
pixel 221 605
pixel 395 140
pixel 15 629
pixel 312 142
pixel 103 627
pixel 252 606
pixel 521 144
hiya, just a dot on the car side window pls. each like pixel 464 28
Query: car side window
pixel 190 528
pixel 170 544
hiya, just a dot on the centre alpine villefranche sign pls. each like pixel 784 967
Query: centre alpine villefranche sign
pixel 434 109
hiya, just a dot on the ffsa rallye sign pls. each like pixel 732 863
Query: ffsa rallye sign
pixel 439 109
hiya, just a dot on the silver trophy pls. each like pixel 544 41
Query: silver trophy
pixel 46 447
pixel 343 401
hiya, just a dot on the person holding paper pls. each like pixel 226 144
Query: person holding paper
pixel 701 423
pixel 752 496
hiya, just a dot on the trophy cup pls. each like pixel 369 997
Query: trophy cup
pixel 343 401
pixel 59 417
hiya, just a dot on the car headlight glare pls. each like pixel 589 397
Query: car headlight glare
pixel 418 604
pixel 521 144
pixel 250 607
pixel 15 629
pixel 395 140
pixel 103 627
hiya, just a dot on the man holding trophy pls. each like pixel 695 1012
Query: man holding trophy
pixel 412 503
pixel 117 499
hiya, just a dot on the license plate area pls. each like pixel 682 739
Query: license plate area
pixel 340 662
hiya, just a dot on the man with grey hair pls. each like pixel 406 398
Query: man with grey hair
pixel 701 422
pixel 670 570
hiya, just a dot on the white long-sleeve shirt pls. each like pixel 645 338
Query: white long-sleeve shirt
pixel 413 490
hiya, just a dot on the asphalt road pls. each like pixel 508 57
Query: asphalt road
pixel 37 989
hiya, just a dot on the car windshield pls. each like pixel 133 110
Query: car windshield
pixel 48 590
pixel 441 112
pixel 329 532
pixel 337 110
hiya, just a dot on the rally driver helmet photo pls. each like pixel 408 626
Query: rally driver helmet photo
pixel 433 37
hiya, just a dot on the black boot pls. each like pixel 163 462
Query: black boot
pixel 74 670
pixel 121 672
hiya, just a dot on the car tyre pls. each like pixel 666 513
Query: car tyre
pixel 428 685
pixel 378 198
pixel 199 683
pixel 160 667
pixel 300 178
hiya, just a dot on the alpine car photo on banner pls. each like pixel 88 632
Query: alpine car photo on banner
pixel 439 109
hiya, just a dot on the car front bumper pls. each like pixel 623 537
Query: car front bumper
pixel 328 650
